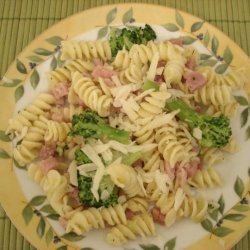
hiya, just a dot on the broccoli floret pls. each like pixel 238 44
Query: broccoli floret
pixel 81 157
pixel 88 199
pixel 126 37
pixel 216 131
pixel 89 124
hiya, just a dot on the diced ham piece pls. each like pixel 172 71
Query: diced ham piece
pixel 177 41
pixel 57 114
pixel 48 164
pixel 98 62
pixel 181 175
pixel 195 80
pixel 101 71
pixel 129 214
pixel 158 217
pixel 47 151
pixel 63 222
pixel 74 200
pixel 60 91
pixel 60 102
pixel 139 163
pixel 161 63
pixel 191 168
pixel 191 63
pixel 159 78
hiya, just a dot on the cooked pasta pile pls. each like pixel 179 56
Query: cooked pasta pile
pixel 145 170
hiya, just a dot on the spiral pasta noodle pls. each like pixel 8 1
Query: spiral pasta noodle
pixel 30 145
pixel 140 225
pixel 86 220
pixel 212 156
pixel 206 178
pixel 86 50
pixel 64 73
pixel 137 205
pixel 125 177
pixel 27 116
pixel 71 110
pixel 91 95
pixel 35 173
pixel 122 60
pixel 56 131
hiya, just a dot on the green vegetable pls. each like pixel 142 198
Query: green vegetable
pixel 88 199
pixel 81 157
pixel 150 85
pixel 216 131
pixel 126 37
pixel 89 124
pixel 130 158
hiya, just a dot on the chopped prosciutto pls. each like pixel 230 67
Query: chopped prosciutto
pixel 129 214
pixel 57 114
pixel 191 168
pixel 161 63
pixel 177 41
pixel 47 151
pixel 158 217
pixel 181 175
pixel 98 62
pixel 159 78
pixel 191 63
pixel 101 71
pixel 195 80
pixel 109 82
pixel 139 163
pixel 63 222
pixel 60 91
pixel 74 200
pixel 48 164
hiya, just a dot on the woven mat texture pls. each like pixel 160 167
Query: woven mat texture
pixel 22 20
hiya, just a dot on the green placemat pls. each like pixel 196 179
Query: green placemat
pixel 22 20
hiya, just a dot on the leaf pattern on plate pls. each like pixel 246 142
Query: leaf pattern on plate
pixel 37 200
pixel 34 79
pixel 239 186
pixel 221 68
pixel 11 83
pixel 215 45
pixel 206 38
pixel 55 40
pixel 170 244
pixel 187 40
pixel 179 19
pixel 4 137
pixel 43 52
pixel 221 202
pixel 19 93
pixel 49 235
pixel 72 236
pixel 222 231
pixel 196 26
pixel 234 217
pixel 149 247
pixel 170 27
pixel 207 225
pixel 228 55
pixel 244 117
pixel 128 16
pixel 4 154
pixel 102 32
pixel 111 16
pixel 27 214
pixel 36 59
pixel 21 67
pixel 40 230
pixel 53 63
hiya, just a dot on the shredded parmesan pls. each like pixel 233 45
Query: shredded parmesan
pixel 197 133
pixel 153 66
pixel 73 173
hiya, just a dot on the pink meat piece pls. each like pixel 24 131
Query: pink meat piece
pixel 57 114
pixel 177 41
pixel 191 168
pixel 139 163
pixel 48 164
pixel 158 217
pixel 195 80
pixel 159 78
pixel 101 71
pixel 191 63
pixel 161 63
pixel 129 214
pixel 47 151
pixel 60 91
pixel 63 222
pixel 74 200
pixel 98 62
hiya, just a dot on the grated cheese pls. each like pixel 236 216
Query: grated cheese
pixel 153 66
pixel 197 133
pixel 73 173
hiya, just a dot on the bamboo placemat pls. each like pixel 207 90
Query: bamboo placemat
pixel 22 20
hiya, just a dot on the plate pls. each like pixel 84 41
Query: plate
pixel 23 200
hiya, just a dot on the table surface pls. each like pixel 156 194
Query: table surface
pixel 22 20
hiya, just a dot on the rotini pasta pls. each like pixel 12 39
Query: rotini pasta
pixel 141 225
